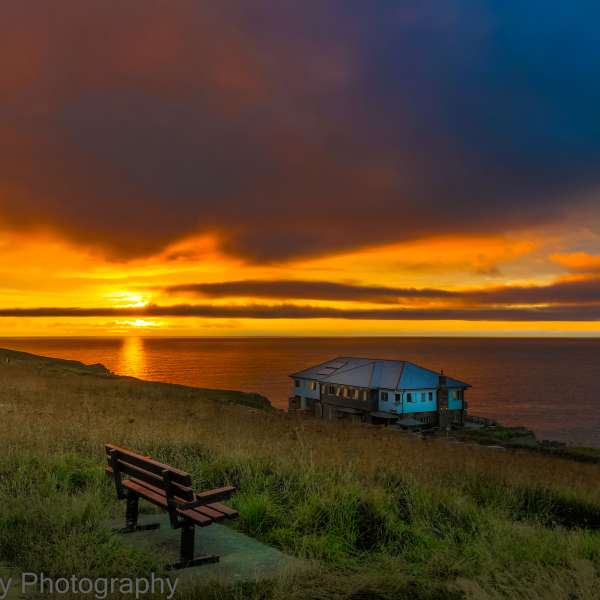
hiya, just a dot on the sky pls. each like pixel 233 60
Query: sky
pixel 277 167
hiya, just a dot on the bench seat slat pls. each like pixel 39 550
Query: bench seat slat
pixel 205 498
pixel 218 511
pixel 161 501
pixel 158 482
pixel 147 464
pixel 216 516
pixel 153 498
pixel 228 512
pixel 149 487
pixel 156 490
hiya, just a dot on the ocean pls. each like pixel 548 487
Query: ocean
pixel 548 385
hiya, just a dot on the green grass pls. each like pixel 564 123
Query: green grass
pixel 488 437
pixel 386 532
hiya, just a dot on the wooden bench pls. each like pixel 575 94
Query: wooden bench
pixel 170 489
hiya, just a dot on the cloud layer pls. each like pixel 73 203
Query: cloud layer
pixel 292 311
pixel 574 291
pixel 294 128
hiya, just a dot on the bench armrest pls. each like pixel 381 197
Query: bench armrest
pixel 211 496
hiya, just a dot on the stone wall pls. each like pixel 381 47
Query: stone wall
pixel 445 416
pixel 295 403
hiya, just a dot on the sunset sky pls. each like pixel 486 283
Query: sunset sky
pixel 306 167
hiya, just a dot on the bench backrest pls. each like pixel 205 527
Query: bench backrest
pixel 150 472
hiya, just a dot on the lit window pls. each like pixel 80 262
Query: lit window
pixel 313 385
pixel 384 396
pixel 338 391
pixel 355 394
pixel 365 395
pixel 296 383
pixel 346 392
pixel 331 390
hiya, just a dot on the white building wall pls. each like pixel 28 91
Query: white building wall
pixel 418 405
pixel 454 404
pixel 409 407
pixel 304 389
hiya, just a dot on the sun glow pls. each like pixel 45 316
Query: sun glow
pixel 141 323
pixel 466 264
pixel 128 299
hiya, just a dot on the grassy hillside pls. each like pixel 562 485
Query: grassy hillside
pixel 375 514
pixel 63 370
pixel 511 438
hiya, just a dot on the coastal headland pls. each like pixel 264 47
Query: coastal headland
pixel 370 513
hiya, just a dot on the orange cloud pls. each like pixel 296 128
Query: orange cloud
pixel 579 261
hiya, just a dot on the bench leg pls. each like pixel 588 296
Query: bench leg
pixel 131 516
pixel 131 513
pixel 186 554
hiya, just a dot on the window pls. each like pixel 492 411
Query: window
pixel 313 385
pixel 457 395
pixel 422 396
pixel 355 394
pixel 338 391
pixel 365 395
pixel 331 390
pixel 296 383
pixel 323 388
pixel 398 398
pixel 430 396
pixel 304 384
pixel 409 397
pixel 346 393
pixel 384 396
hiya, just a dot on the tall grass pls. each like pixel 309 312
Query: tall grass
pixel 374 514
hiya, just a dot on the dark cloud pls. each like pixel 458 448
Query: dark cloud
pixel 293 128
pixel 577 291
pixel 290 311
pixel 302 290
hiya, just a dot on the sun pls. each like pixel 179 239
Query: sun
pixel 128 299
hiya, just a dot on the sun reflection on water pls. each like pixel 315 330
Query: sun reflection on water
pixel 133 359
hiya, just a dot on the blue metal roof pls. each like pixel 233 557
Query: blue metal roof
pixel 383 374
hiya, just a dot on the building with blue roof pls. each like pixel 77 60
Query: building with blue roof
pixel 379 392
